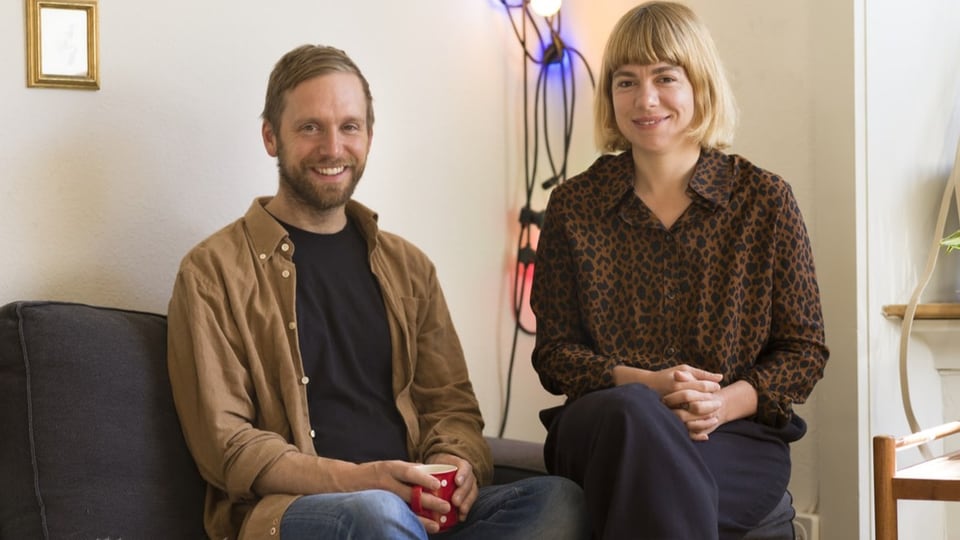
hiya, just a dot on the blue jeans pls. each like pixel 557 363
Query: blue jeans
pixel 540 507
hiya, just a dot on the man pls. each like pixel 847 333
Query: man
pixel 312 357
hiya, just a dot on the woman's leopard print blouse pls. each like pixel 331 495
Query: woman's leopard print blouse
pixel 730 287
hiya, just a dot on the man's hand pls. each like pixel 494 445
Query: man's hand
pixel 297 473
pixel 301 474
pixel 467 488
pixel 400 477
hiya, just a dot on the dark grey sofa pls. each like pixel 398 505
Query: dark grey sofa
pixel 91 445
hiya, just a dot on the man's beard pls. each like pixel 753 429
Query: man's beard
pixel 318 196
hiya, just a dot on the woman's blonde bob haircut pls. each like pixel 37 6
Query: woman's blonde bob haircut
pixel 667 32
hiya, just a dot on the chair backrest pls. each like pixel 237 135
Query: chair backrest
pixel 935 479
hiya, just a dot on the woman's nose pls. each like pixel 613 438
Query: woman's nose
pixel 647 95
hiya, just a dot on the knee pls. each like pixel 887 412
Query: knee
pixel 373 504
pixel 380 506
pixel 631 405
pixel 560 505
pixel 628 396
pixel 565 495
pixel 603 428
pixel 379 514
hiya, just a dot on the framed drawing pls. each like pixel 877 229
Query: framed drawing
pixel 62 44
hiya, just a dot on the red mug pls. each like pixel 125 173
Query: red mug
pixel 446 474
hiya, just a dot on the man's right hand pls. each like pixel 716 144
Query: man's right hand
pixel 400 477
pixel 300 474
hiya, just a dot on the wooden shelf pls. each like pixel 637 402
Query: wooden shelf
pixel 924 311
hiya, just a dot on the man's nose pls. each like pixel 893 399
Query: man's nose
pixel 330 142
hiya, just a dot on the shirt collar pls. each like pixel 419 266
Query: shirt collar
pixel 711 183
pixel 268 235
pixel 713 178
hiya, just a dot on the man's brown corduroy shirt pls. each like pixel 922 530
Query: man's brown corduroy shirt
pixel 237 375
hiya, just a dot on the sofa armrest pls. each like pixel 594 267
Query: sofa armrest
pixel 92 447
pixel 515 459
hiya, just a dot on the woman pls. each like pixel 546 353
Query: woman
pixel 676 301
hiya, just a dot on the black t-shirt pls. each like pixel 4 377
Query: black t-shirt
pixel 346 348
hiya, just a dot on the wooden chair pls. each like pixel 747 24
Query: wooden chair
pixel 935 479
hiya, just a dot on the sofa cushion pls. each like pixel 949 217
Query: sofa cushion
pixel 92 447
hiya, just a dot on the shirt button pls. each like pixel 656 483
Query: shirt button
pixel 284 247
pixel 273 531
pixel 285 273
pixel 292 325
pixel 671 351
pixel 305 379
pixel 263 256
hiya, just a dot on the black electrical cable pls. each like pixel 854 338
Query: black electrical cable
pixel 553 53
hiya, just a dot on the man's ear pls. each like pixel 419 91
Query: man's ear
pixel 269 138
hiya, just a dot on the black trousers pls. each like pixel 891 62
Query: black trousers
pixel 644 478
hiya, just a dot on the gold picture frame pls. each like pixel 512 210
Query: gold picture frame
pixel 63 44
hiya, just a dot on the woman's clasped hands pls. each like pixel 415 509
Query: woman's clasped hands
pixel 694 396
